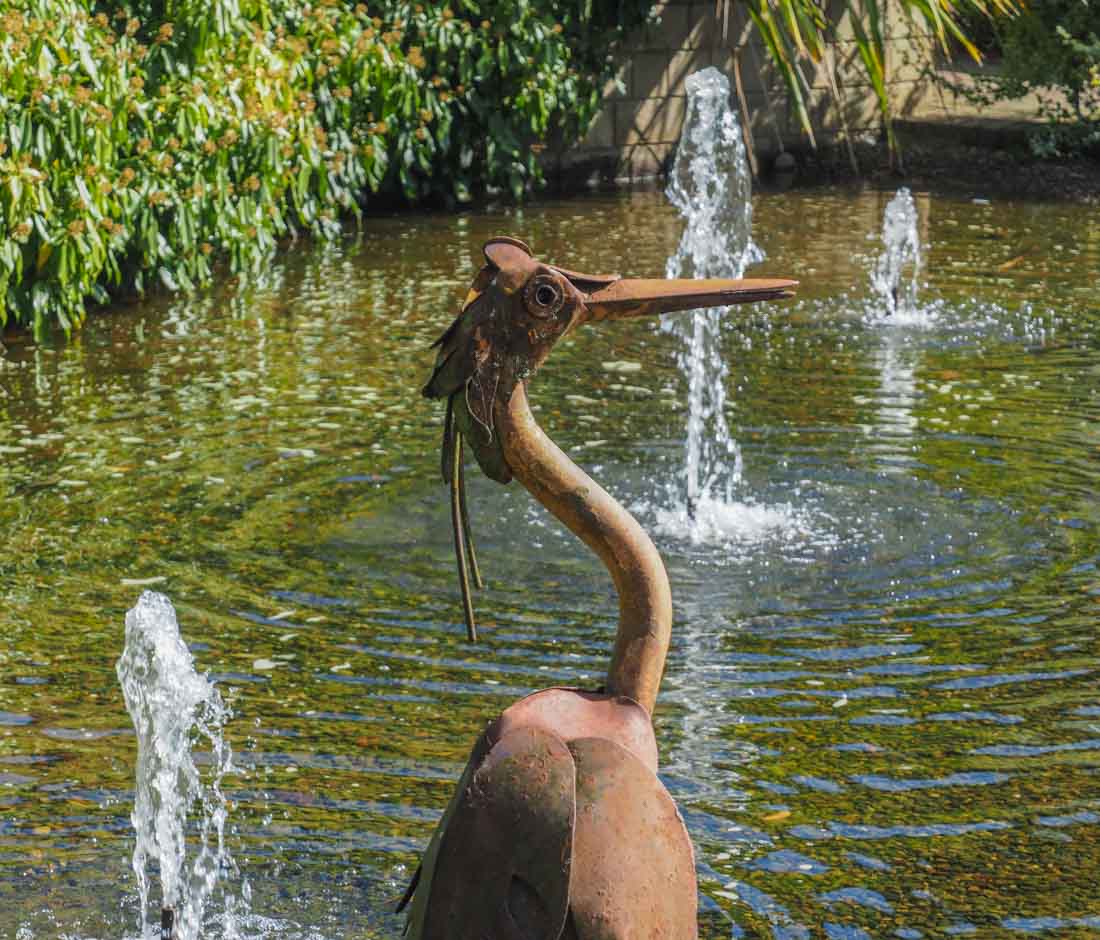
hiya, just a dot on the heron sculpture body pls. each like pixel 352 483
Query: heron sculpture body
pixel 559 827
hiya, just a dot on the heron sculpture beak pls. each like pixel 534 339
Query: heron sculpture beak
pixel 516 309
pixel 637 297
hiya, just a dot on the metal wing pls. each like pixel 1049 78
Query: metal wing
pixel 466 373
pixel 501 862
pixel 466 357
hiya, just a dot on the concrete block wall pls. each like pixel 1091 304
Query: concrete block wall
pixel 635 134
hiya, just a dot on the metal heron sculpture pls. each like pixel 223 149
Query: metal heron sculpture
pixel 559 827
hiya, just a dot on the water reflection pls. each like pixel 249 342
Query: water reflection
pixel 901 698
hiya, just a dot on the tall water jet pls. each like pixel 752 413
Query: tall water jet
pixel 173 707
pixel 894 278
pixel 712 187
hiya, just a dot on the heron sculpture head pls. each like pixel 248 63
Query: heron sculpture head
pixel 515 311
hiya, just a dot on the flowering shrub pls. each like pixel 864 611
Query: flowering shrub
pixel 139 142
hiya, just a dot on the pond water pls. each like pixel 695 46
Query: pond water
pixel 881 712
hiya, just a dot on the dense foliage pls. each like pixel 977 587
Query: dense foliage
pixel 1053 48
pixel 141 141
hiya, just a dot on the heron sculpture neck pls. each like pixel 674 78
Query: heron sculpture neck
pixel 592 514
pixel 559 826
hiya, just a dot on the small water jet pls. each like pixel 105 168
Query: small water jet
pixel 895 275
pixel 896 299
pixel 172 707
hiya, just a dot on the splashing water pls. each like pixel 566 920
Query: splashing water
pixel 172 706
pixel 712 187
pixel 896 301
pixel 894 278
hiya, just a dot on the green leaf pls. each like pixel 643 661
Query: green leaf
pixel 88 64
pixel 45 249
pixel 220 78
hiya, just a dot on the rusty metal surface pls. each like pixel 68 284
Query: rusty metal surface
pixel 555 833
pixel 645 297
pixel 560 827
pixel 515 311
pixel 503 866
pixel 573 713
pixel 633 864
pixel 578 501
pixel 588 283
pixel 419 892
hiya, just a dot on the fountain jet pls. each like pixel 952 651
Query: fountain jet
pixel 901 254
pixel 171 706
pixel 711 185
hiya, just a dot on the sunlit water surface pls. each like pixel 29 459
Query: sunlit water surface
pixel 880 716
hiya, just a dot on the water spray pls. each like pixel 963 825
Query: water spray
pixel 173 707
pixel 901 256
pixel 711 185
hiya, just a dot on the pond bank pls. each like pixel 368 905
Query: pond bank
pixel 982 158
pixel 950 143
pixel 970 154
pixel 997 166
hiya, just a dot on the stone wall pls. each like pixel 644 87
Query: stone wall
pixel 635 134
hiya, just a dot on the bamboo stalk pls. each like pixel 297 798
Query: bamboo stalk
pixel 746 118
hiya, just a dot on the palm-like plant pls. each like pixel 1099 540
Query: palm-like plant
pixel 799 32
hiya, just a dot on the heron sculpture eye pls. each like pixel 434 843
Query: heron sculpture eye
pixel 544 296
